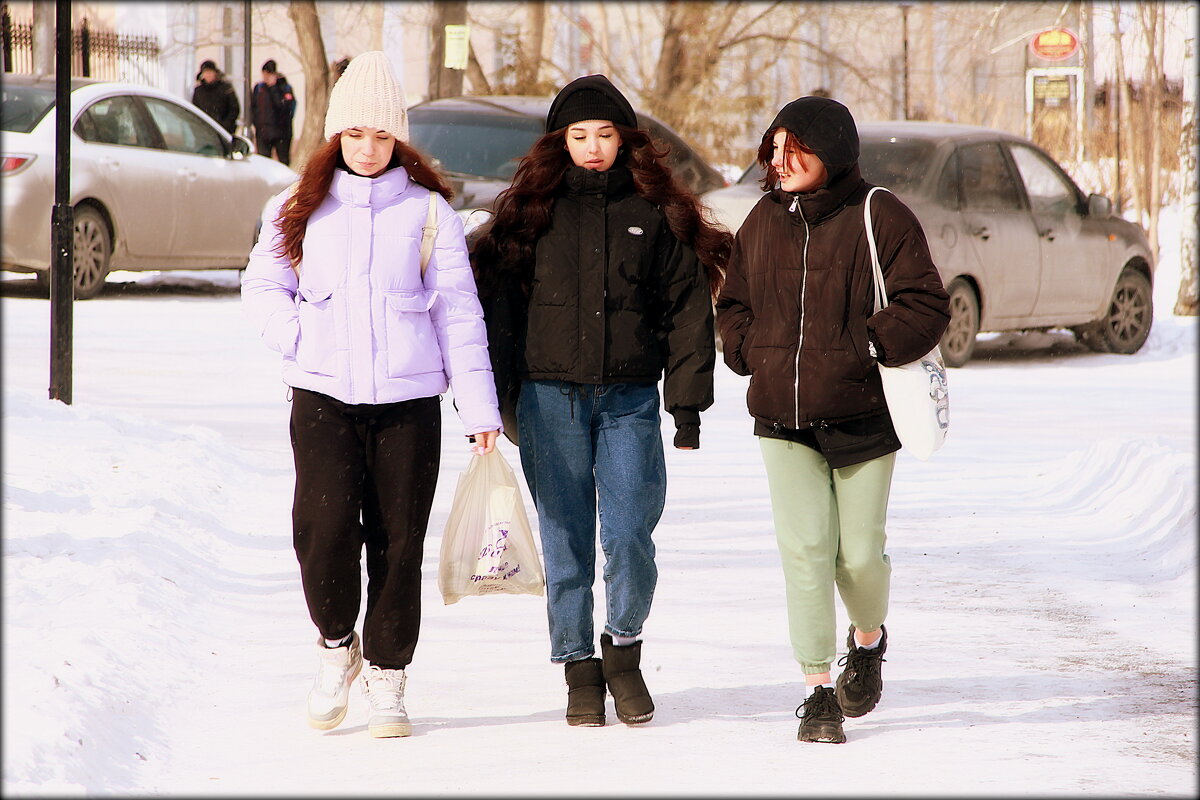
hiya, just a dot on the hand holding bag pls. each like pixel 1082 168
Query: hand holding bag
pixel 917 394
pixel 488 547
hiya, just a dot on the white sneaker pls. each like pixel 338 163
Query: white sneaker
pixel 384 690
pixel 330 694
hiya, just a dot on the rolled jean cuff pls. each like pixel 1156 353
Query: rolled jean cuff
pixel 815 669
pixel 575 656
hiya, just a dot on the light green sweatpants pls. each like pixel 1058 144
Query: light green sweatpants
pixel 829 524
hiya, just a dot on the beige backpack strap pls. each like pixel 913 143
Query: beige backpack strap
pixel 429 232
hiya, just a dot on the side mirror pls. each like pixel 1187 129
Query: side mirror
pixel 241 148
pixel 1099 206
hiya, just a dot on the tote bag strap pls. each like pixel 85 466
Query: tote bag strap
pixel 429 232
pixel 881 301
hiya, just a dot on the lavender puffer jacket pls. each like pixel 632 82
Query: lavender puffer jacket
pixel 359 324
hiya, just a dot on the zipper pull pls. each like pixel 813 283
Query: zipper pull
pixel 795 204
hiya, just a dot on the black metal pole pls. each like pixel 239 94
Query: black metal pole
pixel 246 70
pixel 904 18
pixel 62 268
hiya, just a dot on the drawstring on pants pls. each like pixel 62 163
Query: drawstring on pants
pixel 572 391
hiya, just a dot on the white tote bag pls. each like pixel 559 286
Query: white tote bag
pixel 917 394
pixel 487 547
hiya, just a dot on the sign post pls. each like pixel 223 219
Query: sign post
pixel 1055 92
pixel 62 263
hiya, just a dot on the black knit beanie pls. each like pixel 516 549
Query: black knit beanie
pixel 589 97
pixel 824 126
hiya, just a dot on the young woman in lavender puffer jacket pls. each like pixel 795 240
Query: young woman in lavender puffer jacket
pixel 369 344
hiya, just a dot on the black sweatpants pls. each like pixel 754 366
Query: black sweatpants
pixel 365 476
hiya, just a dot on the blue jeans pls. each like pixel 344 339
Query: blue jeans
pixel 588 448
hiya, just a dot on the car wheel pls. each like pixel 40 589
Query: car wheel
pixel 1130 313
pixel 93 249
pixel 958 342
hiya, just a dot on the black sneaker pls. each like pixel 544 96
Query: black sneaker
pixel 822 718
pixel 860 685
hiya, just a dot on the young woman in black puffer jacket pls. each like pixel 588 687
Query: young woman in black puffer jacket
pixel 597 276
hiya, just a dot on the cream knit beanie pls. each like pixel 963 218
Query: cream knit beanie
pixel 368 95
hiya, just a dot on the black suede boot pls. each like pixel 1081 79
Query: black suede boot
pixel 585 692
pixel 624 677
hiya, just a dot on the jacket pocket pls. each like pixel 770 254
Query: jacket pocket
pixel 316 350
pixel 412 344
pixel 631 255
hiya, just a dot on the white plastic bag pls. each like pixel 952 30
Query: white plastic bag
pixel 488 547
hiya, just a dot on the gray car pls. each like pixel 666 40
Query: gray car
pixel 156 184
pixel 478 141
pixel 1019 246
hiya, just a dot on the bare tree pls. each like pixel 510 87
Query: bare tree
pixel 1187 303
pixel 443 81
pixel 529 59
pixel 317 78
pixel 1150 184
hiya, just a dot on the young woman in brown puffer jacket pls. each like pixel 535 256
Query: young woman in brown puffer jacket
pixel 796 315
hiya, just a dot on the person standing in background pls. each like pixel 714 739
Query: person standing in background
pixel 272 107
pixel 215 96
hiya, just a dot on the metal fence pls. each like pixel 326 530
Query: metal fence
pixel 99 54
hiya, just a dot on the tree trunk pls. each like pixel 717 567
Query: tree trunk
pixel 1130 138
pixel 529 60
pixel 1150 15
pixel 317 79
pixel 444 82
pixel 475 73
pixel 375 23
pixel 1186 302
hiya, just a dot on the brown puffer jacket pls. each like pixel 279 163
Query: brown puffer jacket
pixel 796 313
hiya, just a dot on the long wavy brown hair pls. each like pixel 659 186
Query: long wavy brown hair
pixel 316 178
pixel 504 247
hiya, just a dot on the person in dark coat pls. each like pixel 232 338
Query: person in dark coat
pixel 272 107
pixel 796 315
pixel 597 275
pixel 216 97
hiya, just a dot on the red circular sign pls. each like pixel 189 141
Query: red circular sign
pixel 1054 44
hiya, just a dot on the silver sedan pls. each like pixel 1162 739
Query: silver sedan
pixel 156 184
pixel 1019 246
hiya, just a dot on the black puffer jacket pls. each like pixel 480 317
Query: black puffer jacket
pixel 796 312
pixel 616 298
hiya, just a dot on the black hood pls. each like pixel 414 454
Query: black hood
pixel 824 126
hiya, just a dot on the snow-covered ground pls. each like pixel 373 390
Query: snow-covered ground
pixel 1042 627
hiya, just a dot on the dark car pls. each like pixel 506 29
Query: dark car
pixel 479 140
pixel 1018 244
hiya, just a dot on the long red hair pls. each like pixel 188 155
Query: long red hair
pixel 316 178
pixel 505 244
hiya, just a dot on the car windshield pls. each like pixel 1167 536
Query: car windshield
pixel 23 107
pixel 898 164
pixel 471 144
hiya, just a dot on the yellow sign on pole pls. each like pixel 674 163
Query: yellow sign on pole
pixel 457 43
